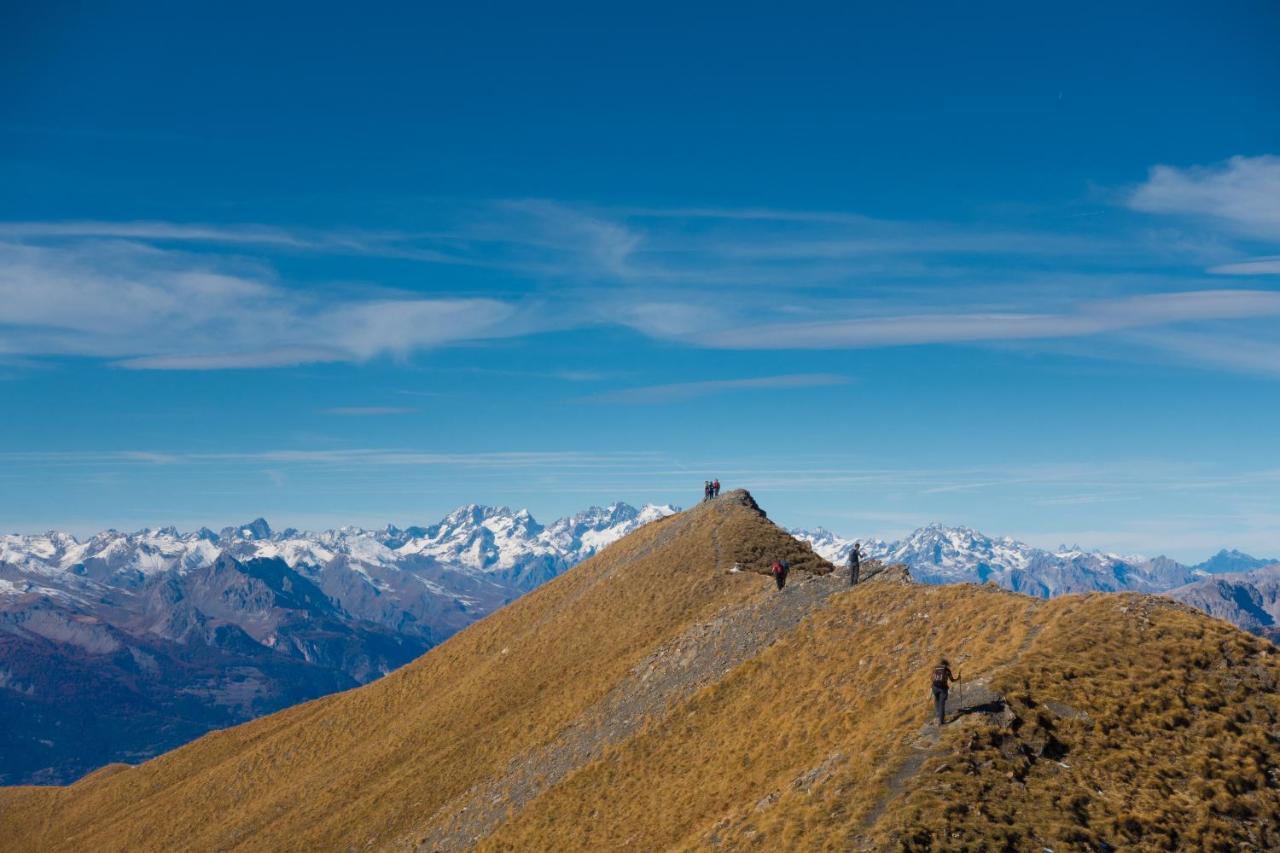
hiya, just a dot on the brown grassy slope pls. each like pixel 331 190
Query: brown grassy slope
pixel 1130 720
pixel 1180 749
pixel 816 744
pixel 369 765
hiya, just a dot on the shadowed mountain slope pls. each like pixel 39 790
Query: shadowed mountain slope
pixel 1248 599
pixel 655 698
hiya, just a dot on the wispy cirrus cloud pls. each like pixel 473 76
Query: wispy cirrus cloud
pixel 358 456
pixel 868 329
pixel 1252 266
pixel 160 231
pixel 1233 352
pixel 681 391
pixel 392 244
pixel 152 295
pixel 144 307
pixel 367 411
pixel 1242 193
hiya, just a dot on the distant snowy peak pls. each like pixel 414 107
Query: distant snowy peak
pixel 836 548
pixel 471 538
pixel 590 531
pixel 255 531
pixel 110 552
pixel 498 539
pixel 940 554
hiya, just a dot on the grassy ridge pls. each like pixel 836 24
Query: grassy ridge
pixel 373 764
pixel 1169 737
pixel 1121 719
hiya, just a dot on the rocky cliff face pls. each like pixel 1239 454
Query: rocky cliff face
pixel 148 667
pixel 1248 599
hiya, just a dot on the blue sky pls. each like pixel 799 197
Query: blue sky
pixel 1010 267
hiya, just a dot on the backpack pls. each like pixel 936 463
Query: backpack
pixel 777 568
pixel 940 677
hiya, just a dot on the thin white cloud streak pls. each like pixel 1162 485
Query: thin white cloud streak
pixel 1243 193
pixel 1086 500
pixel 1085 319
pixel 367 411
pixel 549 239
pixel 1253 266
pixel 159 231
pixel 955 242
pixel 682 391
pixel 1231 352
pixel 383 244
pixel 360 457
pixel 803 475
pixel 749 214
pixel 282 357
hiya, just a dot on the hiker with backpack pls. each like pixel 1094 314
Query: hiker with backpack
pixel 779 570
pixel 942 679
pixel 706 490
pixel 855 563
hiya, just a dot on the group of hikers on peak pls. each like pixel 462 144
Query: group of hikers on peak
pixel 710 489
pixel 940 680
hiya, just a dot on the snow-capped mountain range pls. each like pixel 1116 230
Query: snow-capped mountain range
pixel 495 544
pixel 939 554
pixel 123 645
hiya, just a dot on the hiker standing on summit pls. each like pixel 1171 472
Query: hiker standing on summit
pixel 942 679
pixel 715 488
pixel 855 563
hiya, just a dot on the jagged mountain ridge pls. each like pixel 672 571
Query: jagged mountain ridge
pixel 941 554
pixel 663 695
pixel 180 633
pixel 494 540
pixel 1250 600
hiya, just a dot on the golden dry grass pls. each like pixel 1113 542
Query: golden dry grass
pixel 1179 749
pixel 813 743
pixel 848 682
pixel 371 764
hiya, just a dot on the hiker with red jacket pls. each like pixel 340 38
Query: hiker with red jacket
pixel 779 570
pixel 942 679
pixel 715 488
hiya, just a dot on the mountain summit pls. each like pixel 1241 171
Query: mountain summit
pixel 663 694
